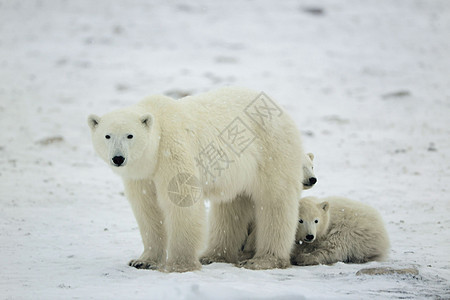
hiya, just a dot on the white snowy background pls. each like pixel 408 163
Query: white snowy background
pixel 367 82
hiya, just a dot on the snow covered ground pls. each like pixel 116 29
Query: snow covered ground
pixel 366 81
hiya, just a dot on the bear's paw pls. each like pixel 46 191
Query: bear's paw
pixel 216 258
pixel 143 264
pixel 307 259
pixel 265 263
pixel 181 267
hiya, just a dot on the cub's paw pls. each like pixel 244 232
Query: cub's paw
pixel 143 264
pixel 264 263
pixel 181 267
pixel 306 260
pixel 246 255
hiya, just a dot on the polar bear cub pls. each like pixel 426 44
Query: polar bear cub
pixel 337 229
pixel 309 179
pixel 234 146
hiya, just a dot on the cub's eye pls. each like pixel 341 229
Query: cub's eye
pixel 130 136
pixel 107 137
pixel 300 221
pixel 316 221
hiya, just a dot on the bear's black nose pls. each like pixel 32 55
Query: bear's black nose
pixel 312 180
pixel 309 237
pixel 118 160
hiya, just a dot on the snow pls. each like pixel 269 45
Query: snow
pixel 366 81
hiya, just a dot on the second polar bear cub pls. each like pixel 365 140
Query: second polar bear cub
pixel 337 229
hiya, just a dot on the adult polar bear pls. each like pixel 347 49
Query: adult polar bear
pixel 233 146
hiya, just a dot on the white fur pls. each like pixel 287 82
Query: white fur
pixel 339 229
pixel 248 249
pixel 168 138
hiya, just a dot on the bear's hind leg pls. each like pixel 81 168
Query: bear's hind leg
pixel 228 230
pixel 276 211
pixel 249 248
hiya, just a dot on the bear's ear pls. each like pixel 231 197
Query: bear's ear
pixel 311 156
pixel 147 120
pixel 324 205
pixel 93 121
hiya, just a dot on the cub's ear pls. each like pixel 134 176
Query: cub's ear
pixel 311 156
pixel 147 120
pixel 324 205
pixel 93 121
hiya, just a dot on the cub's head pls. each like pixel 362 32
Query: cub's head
pixel 121 139
pixel 309 179
pixel 313 219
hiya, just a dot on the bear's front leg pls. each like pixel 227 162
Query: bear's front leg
pixel 181 200
pixel 142 196
pixel 185 228
pixel 180 196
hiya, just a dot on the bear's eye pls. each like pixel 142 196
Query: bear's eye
pixel 107 137
pixel 316 221
pixel 130 136
pixel 300 221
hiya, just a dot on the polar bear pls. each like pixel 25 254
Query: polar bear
pixel 234 146
pixel 337 229
pixel 309 180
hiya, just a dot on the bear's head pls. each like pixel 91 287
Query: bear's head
pixel 309 179
pixel 313 219
pixel 123 139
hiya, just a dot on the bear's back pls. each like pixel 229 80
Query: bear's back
pixel 248 131
pixel 225 98
pixel 350 213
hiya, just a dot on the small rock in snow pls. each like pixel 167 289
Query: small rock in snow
pixel 388 271
pixel 396 94
pixel 432 148
pixel 50 140
pixel 316 11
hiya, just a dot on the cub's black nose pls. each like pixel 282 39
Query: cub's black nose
pixel 309 237
pixel 312 180
pixel 118 160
